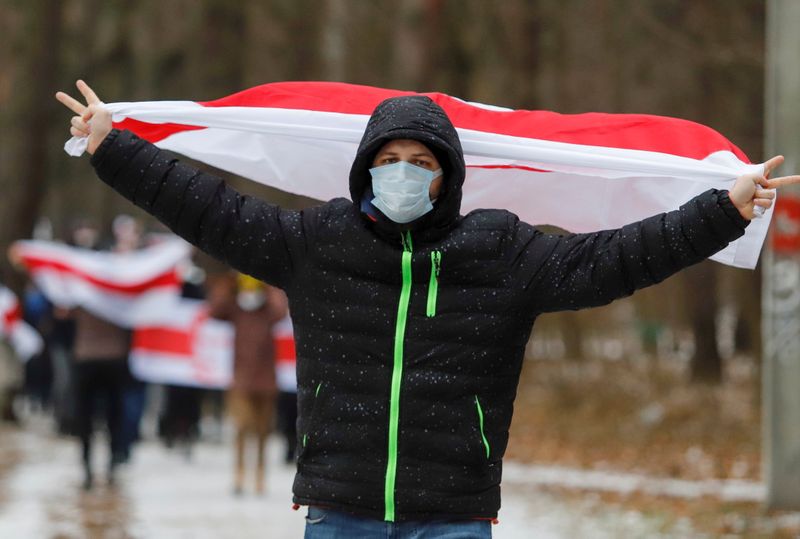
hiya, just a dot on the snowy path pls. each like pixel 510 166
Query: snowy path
pixel 164 495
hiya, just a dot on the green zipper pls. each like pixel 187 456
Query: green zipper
pixel 397 375
pixel 480 423
pixel 313 408
pixel 433 285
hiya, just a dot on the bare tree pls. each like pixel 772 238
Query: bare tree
pixel 24 187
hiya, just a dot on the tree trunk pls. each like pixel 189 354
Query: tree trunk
pixel 24 189
pixel 706 364
pixel 572 332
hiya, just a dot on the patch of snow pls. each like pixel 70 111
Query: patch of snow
pixel 732 490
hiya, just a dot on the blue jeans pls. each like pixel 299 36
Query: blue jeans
pixel 329 524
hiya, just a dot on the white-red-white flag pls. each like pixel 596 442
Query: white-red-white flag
pixel 127 289
pixel 24 339
pixel 174 341
pixel 581 172
pixel 189 349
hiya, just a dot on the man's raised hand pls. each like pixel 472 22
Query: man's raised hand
pixel 92 119
pixel 755 190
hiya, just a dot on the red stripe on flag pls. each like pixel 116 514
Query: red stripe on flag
pixel 164 340
pixel 628 131
pixel 317 96
pixel 165 279
pixel 518 167
pixel 153 132
pixel 285 349
pixel 625 131
pixel 12 316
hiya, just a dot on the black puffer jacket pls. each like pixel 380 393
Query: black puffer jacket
pixel 410 339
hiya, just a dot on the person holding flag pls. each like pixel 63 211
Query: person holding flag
pixel 410 319
pixel 19 342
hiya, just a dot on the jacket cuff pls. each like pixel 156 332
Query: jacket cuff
pixel 730 210
pixel 120 153
pixel 101 150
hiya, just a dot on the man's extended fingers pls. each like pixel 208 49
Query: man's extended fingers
pixel 72 104
pixel 781 182
pixel 78 123
pixel 89 113
pixel 88 93
pixel 772 164
pixel 763 202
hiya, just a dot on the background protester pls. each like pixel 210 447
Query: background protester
pixel 253 308
pixel 37 311
pixel 12 378
pixel 101 378
pixel 127 237
pixel 179 423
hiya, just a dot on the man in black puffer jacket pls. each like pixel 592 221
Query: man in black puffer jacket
pixel 410 320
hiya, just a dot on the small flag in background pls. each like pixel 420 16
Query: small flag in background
pixel 126 289
pixel 24 340
pixel 174 341
pixel 189 349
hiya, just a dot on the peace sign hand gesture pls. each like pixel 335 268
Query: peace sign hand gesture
pixel 92 119
pixel 752 194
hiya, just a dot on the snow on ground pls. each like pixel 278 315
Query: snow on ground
pixel 162 494
pixel 730 490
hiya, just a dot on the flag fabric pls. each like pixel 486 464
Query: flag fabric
pixel 580 172
pixel 24 339
pixel 189 349
pixel 127 289
pixel 285 355
pixel 174 341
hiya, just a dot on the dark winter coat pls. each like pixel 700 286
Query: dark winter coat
pixel 253 345
pixel 410 338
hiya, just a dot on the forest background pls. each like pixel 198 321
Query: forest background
pixel 699 60
pixel 644 383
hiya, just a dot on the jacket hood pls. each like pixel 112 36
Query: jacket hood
pixel 414 117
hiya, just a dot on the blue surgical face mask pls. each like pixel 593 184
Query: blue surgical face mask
pixel 401 190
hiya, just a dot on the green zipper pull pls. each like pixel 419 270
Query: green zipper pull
pixel 433 285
